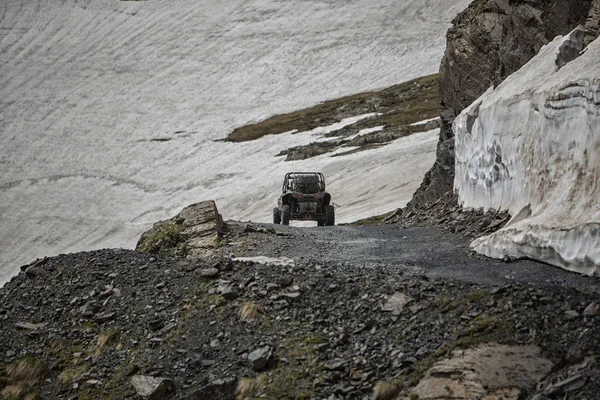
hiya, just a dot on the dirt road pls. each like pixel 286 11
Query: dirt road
pixel 415 251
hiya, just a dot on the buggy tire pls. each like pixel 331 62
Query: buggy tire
pixel 276 216
pixel 286 213
pixel 329 215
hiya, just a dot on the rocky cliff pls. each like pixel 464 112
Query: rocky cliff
pixel 488 41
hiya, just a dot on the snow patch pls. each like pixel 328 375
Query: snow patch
pixel 274 261
pixel 532 147
pixel 424 121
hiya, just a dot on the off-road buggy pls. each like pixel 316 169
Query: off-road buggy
pixel 304 198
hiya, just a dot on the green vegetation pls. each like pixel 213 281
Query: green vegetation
pixel 401 104
pixel 166 239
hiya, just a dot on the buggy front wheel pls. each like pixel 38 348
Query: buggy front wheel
pixel 286 213
pixel 276 216
pixel 329 215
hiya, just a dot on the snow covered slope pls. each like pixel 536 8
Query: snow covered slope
pixel 109 109
pixel 532 146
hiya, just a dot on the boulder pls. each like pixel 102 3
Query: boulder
pixel 193 232
pixel 486 372
pixel 260 358
pixel 152 388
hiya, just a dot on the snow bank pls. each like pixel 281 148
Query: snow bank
pixel 532 147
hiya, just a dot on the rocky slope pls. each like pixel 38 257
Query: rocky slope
pixel 488 41
pixel 126 324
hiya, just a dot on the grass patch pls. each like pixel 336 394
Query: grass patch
pixel 22 377
pixel 293 380
pixel 386 390
pixel 249 311
pixel 105 338
pixel 402 104
pixel 70 375
pixel 166 239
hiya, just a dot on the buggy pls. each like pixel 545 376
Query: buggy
pixel 304 198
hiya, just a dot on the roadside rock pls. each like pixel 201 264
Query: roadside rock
pixel 193 232
pixel 152 388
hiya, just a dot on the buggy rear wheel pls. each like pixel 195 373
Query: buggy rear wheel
pixel 276 216
pixel 329 215
pixel 286 212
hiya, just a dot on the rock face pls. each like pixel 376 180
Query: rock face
pixel 532 147
pixel 487 42
pixel 194 232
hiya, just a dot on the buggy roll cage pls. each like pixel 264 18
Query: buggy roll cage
pixel 290 181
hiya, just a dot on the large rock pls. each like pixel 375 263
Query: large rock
pixel 193 232
pixel 490 371
pixel 488 41
pixel 152 388
pixel 532 147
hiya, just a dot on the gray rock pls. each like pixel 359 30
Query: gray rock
pixel 209 272
pixel 30 326
pixel 260 358
pixel 591 310
pixel 292 295
pixel 104 316
pixel 152 388
pixel 89 308
pixel 219 389
pixel 228 291
pixel 396 303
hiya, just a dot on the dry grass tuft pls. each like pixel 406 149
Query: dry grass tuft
pixel 104 339
pixel 385 391
pixel 244 388
pixel 23 376
pixel 71 375
pixel 249 311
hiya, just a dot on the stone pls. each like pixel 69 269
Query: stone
pixel 104 316
pixel 228 291
pixel 591 310
pixel 260 358
pixel 152 388
pixel 30 326
pixel 396 303
pixel 571 314
pixel 217 389
pixel 483 372
pixel 335 365
pixel 209 272
pixel 291 295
